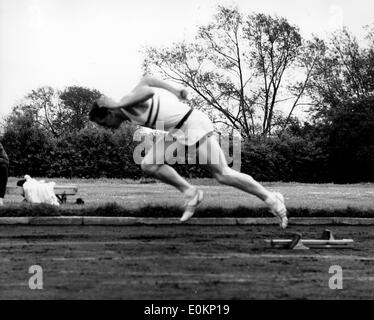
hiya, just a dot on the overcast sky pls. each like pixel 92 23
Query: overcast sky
pixel 96 43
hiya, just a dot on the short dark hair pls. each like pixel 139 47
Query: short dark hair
pixel 97 112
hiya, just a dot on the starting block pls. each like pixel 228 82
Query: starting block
pixel 327 241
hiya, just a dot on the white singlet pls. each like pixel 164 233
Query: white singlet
pixel 166 108
pixel 163 106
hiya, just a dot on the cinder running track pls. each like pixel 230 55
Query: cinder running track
pixel 180 262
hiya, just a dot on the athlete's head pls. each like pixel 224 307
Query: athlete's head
pixel 109 118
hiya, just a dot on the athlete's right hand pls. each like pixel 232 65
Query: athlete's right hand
pixel 183 94
pixel 102 101
pixel 105 101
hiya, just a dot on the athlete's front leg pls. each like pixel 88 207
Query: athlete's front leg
pixel 153 166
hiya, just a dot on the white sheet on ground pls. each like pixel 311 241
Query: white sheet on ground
pixel 39 191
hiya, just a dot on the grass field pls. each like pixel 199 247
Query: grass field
pixel 133 195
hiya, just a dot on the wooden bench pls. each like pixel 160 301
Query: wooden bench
pixel 61 192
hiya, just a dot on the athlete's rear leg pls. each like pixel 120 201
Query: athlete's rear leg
pixel 211 153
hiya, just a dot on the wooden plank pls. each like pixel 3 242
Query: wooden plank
pixel 59 190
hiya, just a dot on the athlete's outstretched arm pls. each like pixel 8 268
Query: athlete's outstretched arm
pixel 181 93
pixel 138 95
pixel 142 92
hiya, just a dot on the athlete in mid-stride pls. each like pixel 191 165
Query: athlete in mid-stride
pixel 155 100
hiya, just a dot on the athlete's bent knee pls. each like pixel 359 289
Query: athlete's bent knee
pixel 150 169
pixel 223 176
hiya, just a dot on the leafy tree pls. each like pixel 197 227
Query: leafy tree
pixel 236 68
pixel 274 45
pixel 41 106
pixel 311 52
pixel 56 112
pixel 28 146
pixel 344 72
pixel 351 142
pixel 76 103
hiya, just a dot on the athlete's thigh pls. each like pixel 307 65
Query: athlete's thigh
pixel 211 155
